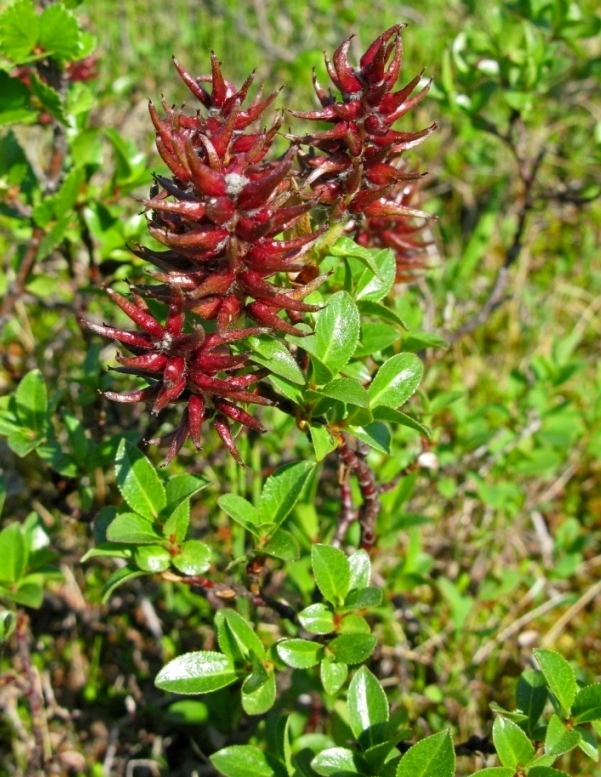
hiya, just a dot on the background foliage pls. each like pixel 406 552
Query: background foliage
pixel 488 545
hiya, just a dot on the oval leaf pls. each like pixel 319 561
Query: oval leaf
pixel 317 618
pixel 433 756
pixel 282 490
pixel 194 558
pixel 199 672
pixel 353 648
pixel 367 708
pixel 587 704
pixel 242 761
pixel 559 675
pixel 138 481
pixel 332 572
pixel 300 653
pixel 337 332
pixel 131 527
pixel 396 380
pixel 512 745
pixel 333 676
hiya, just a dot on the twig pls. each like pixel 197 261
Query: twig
pixel 370 508
pixel 347 511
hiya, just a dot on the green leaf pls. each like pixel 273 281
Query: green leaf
pixel 559 738
pixel 119 577
pixel 346 390
pixel 337 332
pixel 531 696
pixel 259 701
pixel 353 648
pixel 8 622
pixel 373 288
pixel 512 745
pixel 138 481
pixel 377 310
pixel 332 572
pixel 28 595
pixel 199 672
pixel 23 443
pixel 52 238
pixel 545 771
pixel 194 558
pixel 418 341
pixel 346 247
pixel 241 511
pixel 277 358
pixel 367 709
pixel 433 756
pixel 49 98
pixel 364 597
pixel 133 528
pixel 376 435
pixel 13 552
pixel 187 712
pixel 382 413
pixel 67 195
pixel 282 491
pixel 588 742
pixel 16 101
pixel 333 676
pixel 300 653
pixel 59 33
pixel 353 624
pixel 19 29
pixel 179 488
pixel 317 618
pixel 282 545
pixel 152 558
pixel 32 402
pixel 559 675
pixel 236 636
pixel 77 436
pixel 338 762
pixel 587 704
pixel 360 567
pixel 496 771
pixel 242 761
pixel 396 380
pixel 176 526
pixel 323 441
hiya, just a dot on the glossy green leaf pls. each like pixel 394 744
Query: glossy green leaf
pixel 152 558
pixel 176 525
pixel 390 414
pixel 32 402
pixel 396 380
pixel 559 738
pixel 16 105
pixel 346 390
pixel 360 567
pixel 333 676
pixel 77 436
pixel 376 338
pixel 138 481
pixel 180 488
pixel 274 355
pixel 241 511
pixel 317 619
pixel 589 743
pixel 323 441
pixel 531 695
pixel 131 527
pixel 346 247
pixel 13 552
pixel 338 762
pixel 373 288
pixel 187 712
pixel 282 491
pixel 59 33
pixel 364 597
pixel 512 745
pixel 236 636
pixel 433 756
pixel 353 624
pixel 332 572
pixel 559 675
pixel 376 435
pixel 19 29
pixel 337 332
pixel 377 310
pixel 300 653
pixel 199 672
pixel 242 761
pixel 194 558
pixel 545 771
pixel 495 771
pixel 353 648
pixel 282 545
pixel 587 704
pixel 367 709
pixel 259 701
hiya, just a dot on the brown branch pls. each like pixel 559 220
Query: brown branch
pixel 370 508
